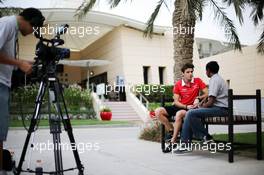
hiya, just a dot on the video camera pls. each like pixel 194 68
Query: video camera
pixel 48 54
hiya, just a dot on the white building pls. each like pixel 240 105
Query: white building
pixel 140 60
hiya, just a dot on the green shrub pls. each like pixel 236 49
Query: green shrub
pixel 153 106
pixel 78 101
pixel 154 92
pixel 151 132
pixel 105 109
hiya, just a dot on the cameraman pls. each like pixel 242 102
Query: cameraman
pixel 9 27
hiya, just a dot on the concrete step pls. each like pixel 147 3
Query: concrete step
pixel 122 111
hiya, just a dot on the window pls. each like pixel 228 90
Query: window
pixel 161 74
pixel 200 48
pixel 200 51
pixel 228 83
pixel 145 74
pixel 66 75
pixel 210 49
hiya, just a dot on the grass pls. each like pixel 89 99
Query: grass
pixel 74 122
pixel 240 137
pixel 248 138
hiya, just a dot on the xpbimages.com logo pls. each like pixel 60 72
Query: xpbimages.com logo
pixel 79 31
pixel 212 147
pixel 81 147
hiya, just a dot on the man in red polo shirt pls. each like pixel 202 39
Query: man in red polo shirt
pixel 186 96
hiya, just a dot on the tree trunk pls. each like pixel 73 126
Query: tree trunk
pixel 183 38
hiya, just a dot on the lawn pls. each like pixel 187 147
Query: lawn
pixel 74 122
pixel 248 138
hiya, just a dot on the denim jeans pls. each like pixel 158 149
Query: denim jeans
pixel 4 111
pixel 193 124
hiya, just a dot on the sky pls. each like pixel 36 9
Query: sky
pixel 141 10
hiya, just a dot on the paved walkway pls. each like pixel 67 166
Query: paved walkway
pixel 122 153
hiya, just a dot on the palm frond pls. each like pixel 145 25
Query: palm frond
pixel 230 30
pixel 257 10
pixel 115 3
pixel 257 16
pixel 200 8
pixel 83 9
pixel 239 6
pixel 7 11
pixel 193 9
pixel 166 5
pixel 185 13
pixel 260 47
pixel 150 24
pixel 196 8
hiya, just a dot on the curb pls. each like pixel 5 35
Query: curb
pixel 85 126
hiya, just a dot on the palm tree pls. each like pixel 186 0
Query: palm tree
pixel 257 17
pixel 185 15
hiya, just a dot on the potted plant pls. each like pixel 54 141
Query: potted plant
pixel 105 113
pixel 152 113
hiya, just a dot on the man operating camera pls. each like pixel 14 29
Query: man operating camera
pixel 10 26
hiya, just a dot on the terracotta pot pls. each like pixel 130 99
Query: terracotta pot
pixel 106 115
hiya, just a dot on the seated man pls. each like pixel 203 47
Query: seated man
pixel 217 105
pixel 185 92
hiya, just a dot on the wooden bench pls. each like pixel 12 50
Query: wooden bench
pixel 231 120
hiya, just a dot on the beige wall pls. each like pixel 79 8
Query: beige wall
pixel 27 46
pixel 244 70
pixel 109 47
pixel 139 51
pixel 128 51
pixel 72 74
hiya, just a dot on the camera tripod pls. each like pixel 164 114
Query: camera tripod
pixel 51 84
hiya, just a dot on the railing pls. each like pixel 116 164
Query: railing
pixel 138 106
pixel 143 100
pixel 97 103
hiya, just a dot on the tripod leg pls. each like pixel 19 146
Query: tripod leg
pixel 38 103
pixel 68 127
pixel 1 155
pixel 55 129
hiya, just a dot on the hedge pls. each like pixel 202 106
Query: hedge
pixel 78 101
pixel 154 92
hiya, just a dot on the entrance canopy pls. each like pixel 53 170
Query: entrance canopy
pixel 93 26
pixel 85 63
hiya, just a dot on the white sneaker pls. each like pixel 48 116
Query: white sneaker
pixel 181 148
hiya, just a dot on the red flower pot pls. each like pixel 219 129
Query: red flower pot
pixel 106 115
pixel 152 114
